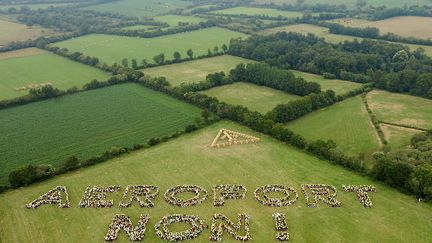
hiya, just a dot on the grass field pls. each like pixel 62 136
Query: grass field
pixel 407 26
pixel 347 123
pixel 254 97
pixel 173 20
pixel 33 6
pixel 338 86
pixel 258 11
pixel 140 8
pixel 189 160
pixel 351 3
pixel 41 67
pixel 332 38
pixel 86 124
pixel 196 70
pixel 111 48
pixel 138 27
pixel 401 109
pixel 11 31
pixel 398 137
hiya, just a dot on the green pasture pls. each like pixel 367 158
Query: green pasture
pixel 352 3
pixel 258 12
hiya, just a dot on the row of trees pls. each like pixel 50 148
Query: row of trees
pixel 358 61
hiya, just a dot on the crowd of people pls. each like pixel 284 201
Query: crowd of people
pixel 362 193
pixel 123 222
pixel 53 196
pixel 164 233
pixel 171 195
pixel 281 226
pixel 261 194
pixel 134 192
pixel 221 223
pixel 94 197
pixel 321 192
pixel 222 192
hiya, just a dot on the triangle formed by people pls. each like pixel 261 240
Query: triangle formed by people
pixel 227 137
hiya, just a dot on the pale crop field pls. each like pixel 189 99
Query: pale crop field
pixel 11 31
pixel 258 12
pixel 395 217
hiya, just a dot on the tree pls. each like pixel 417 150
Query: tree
pixel 190 53
pixel 360 3
pixel 224 48
pixel 205 114
pixel 134 64
pixel 125 62
pixel 144 63
pixel 71 163
pixel 177 56
pixel 159 59
pixel 216 49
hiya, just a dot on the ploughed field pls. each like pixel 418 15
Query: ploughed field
pixel 189 159
pixel 112 49
pixel 41 67
pixel 87 124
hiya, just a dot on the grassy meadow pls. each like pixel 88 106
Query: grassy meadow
pixel 189 159
pixel 347 123
pixel 140 8
pixel 41 67
pixel 258 12
pixel 112 48
pixel 33 6
pixel 138 27
pixel 337 85
pixel 173 20
pixel 196 70
pixel 86 124
pixel 11 31
pixel 351 3
pixel 401 109
pixel 407 26
pixel 255 97
pixel 329 37
pixel 398 137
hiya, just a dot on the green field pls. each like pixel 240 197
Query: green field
pixel 190 160
pixel 338 86
pixel 347 123
pixel 140 8
pixel 112 48
pixel 33 6
pixel 196 70
pixel 401 109
pixel 258 12
pixel 41 67
pixel 254 97
pixel 332 38
pixel 352 3
pixel 139 27
pixel 398 137
pixel 86 124
pixel 173 20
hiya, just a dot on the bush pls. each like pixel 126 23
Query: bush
pixel 30 174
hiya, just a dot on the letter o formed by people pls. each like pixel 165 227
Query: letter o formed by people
pixel 171 195
pixel 164 233
pixel 290 195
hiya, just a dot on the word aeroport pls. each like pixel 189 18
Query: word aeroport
pixel 144 196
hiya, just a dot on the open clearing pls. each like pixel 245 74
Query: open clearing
pixel 147 8
pixel 398 137
pixel 337 85
pixel 173 20
pixel 11 31
pixel 255 97
pixel 258 12
pixel 196 70
pixel 401 109
pixel 41 67
pixel 112 48
pixel 351 3
pixel 86 124
pixel 347 123
pixel 332 38
pixel 190 160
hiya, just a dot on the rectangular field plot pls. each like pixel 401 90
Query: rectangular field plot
pixel 173 20
pixel 20 70
pixel 86 124
pixel 401 109
pixel 197 70
pixel 395 217
pixel 338 86
pixel 112 49
pixel 398 137
pixel 347 123
pixel 352 3
pixel 329 37
pixel 259 12
pixel 140 8
pixel 11 31
pixel 254 97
